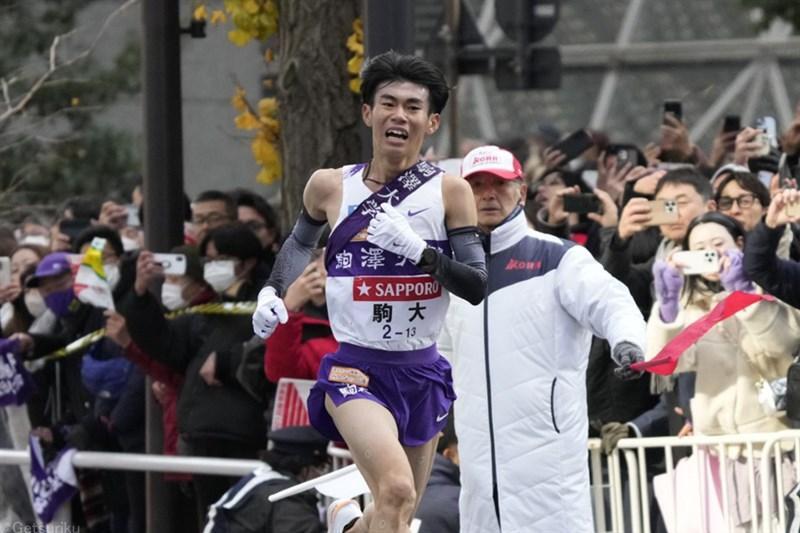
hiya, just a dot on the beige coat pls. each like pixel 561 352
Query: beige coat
pixel 757 342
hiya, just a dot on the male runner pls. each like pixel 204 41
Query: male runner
pixel 395 221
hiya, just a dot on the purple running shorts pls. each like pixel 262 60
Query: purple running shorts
pixel 416 386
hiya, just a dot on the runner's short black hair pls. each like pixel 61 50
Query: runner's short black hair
pixel 391 66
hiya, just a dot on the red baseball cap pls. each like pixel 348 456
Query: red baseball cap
pixel 492 160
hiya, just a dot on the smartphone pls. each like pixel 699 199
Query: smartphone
pixel 574 144
pixel 582 203
pixel 698 261
pixel 768 136
pixel 5 271
pixel 73 227
pixel 663 212
pixel 133 216
pixel 731 123
pixel 174 264
pixel 674 107
pixel 624 154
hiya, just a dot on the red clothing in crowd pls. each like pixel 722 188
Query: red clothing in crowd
pixel 173 381
pixel 290 355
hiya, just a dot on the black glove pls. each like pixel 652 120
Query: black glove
pixel 611 433
pixel 625 354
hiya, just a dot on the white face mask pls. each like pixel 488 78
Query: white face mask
pixel 35 303
pixel 36 240
pixel 112 274
pixel 220 274
pixel 6 314
pixel 130 245
pixel 172 296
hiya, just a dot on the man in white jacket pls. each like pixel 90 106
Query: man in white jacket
pixel 519 361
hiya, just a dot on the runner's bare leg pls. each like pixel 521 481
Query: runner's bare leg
pixel 371 434
pixel 421 460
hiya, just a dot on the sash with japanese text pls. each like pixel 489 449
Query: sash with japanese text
pixel 393 192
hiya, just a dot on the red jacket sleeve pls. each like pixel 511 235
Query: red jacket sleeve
pixel 151 367
pixel 287 356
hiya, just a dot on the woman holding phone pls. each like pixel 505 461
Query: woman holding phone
pixel 753 346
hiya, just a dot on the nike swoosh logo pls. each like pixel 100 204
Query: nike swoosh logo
pixel 441 417
pixel 415 213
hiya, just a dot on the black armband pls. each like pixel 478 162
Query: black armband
pixel 296 252
pixel 465 276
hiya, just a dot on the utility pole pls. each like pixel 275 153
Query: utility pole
pixel 163 189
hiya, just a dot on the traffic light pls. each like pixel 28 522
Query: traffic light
pixel 527 20
pixel 528 66
pixel 524 65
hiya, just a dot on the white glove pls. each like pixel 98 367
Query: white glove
pixel 391 231
pixel 269 311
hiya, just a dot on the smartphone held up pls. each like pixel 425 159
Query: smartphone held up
pixel 582 203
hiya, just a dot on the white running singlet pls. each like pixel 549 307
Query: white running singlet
pixel 377 299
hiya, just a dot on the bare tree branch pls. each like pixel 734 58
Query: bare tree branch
pixel 54 66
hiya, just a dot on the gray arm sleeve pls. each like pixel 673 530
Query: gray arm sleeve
pixel 296 252
pixel 465 276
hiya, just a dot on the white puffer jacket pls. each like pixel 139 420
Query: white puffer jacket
pixel 519 363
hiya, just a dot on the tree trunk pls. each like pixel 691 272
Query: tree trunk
pixel 319 114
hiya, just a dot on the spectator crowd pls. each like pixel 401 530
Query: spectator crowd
pixel 637 210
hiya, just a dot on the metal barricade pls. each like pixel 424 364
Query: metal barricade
pixel 616 508
pixel 763 456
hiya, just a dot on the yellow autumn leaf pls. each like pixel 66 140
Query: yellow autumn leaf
pixel 267 107
pixel 269 55
pixel 271 8
pixel 246 121
pixel 264 152
pixel 251 6
pixel 218 17
pixel 268 176
pixel 239 37
pixel 354 64
pixel 354 44
pixel 355 85
pixel 75 102
pixel 238 101
pixel 358 27
pixel 200 12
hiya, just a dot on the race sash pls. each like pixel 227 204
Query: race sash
pixel 52 484
pixel 393 192
pixel 666 360
pixel 16 384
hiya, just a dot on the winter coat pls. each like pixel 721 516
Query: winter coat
pixel 779 277
pixel 756 343
pixel 519 368
pixel 295 348
pixel 223 412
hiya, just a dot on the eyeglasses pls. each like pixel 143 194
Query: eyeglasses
pixel 255 225
pixel 743 201
pixel 209 219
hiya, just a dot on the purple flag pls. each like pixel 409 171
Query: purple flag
pixel 16 384
pixel 52 484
